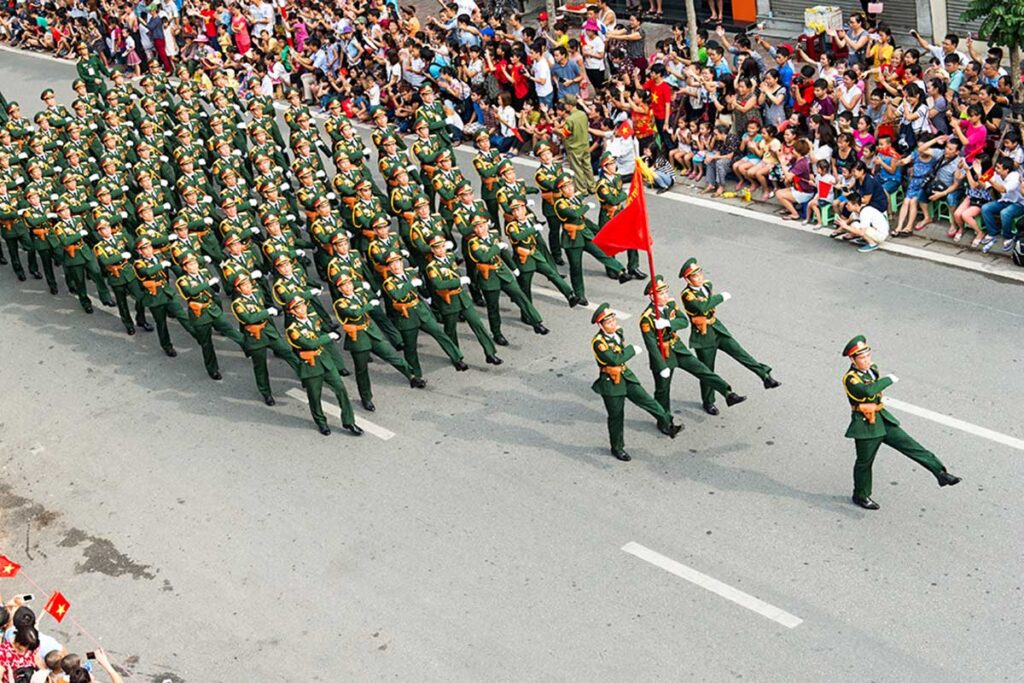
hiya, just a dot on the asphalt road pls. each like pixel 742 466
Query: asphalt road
pixel 202 536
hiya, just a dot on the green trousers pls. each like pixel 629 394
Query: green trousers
pixel 729 346
pixel 314 388
pixel 361 361
pixel 554 235
pixel 493 298
pixel 204 336
pixel 160 313
pixel 74 277
pixel 386 326
pixel 612 267
pixel 895 438
pixel 46 259
pixel 261 371
pixel 121 293
pixel 410 342
pixel 492 210
pixel 548 271
pixel 691 364
pixel 14 245
pixel 472 318
pixel 616 408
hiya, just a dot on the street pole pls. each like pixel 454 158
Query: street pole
pixel 691 28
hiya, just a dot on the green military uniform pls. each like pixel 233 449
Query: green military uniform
pixel 434 116
pixel 577 237
pixel 531 257
pixel 158 297
pixel 708 334
pixel 115 258
pixel 611 196
pixel 12 230
pixel 317 367
pixel 205 314
pixel 453 301
pixel 426 150
pixel 363 337
pixel 487 163
pixel 410 315
pixel 871 425
pixel 259 333
pixel 668 351
pixel 546 177
pixel 616 383
pixel 43 242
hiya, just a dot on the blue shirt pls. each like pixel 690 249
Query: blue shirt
pixel 561 74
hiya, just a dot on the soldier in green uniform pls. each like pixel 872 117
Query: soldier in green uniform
pixel 92 70
pixel 509 188
pixel 12 230
pixel 382 130
pixel 612 196
pixel 158 296
pixel 353 307
pixel 391 158
pixel 487 162
pixel 547 177
pixel 530 255
pixel 871 424
pixel 616 382
pixel 317 367
pixel 577 237
pixel 410 315
pixel 493 277
pixel 446 181
pixel 708 334
pixel 259 333
pixel 78 259
pixel 405 198
pixel 432 112
pixel 452 300
pixel 196 287
pixel 113 251
pixel 659 323
pixel 42 240
pixel 426 149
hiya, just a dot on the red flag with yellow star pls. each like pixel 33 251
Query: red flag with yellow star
pixel 57 606
pixel 8 567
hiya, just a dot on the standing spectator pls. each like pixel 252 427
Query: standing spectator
pixel 155 26
pixel 240 30
pixel 575 130
pixel 593 54
pixel 540 74
pixel 566 73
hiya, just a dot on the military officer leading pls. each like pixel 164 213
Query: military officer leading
pixel 871 424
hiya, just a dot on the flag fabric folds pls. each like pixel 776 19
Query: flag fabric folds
pixel 628 229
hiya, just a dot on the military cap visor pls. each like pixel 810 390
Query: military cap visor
pixel 690 266
pixel 603 312
pixel 856 346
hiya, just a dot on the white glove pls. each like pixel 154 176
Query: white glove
pixel 173 237
pixel 300 252
pixel 124 188
pixel 416 282
pixel 237 152
pixel 319 174
pixel 163 158
pixel 405 252
pixel 163 183
pixel 53 197
pixel 207 221
pixel 207 199
pixel 464 280
pixel 290 217
pixel 254 230
pixel 662 323
pixel 726 296
pixel 23 156
pixel 19 181
pixel 124 214
pixel 93 205
pixel 167 207
pixel 637 350
pixel 94 177
pixel 83 233
pixel 333 335
pixel 165 264
pixel 366 286
pixel 285 187
pixel 126 255
pixel 214 280
pixel 589 205
pixel 202 162
pixel 449 245
pixel 665 373
pixel 411 167
pixel 272 311
pixel 256 274
pixel 893 378
pixel 375 302
pixel 332 196
pixel 316 291
pixel 92 126
pixel 529 202
pixel 503 245
pixel 278 168
pixel 515 271
pixel 207 259
pixel 51 216
pixel 242 126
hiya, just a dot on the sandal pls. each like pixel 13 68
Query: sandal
pixel 921 226
pixel 958 235
pixel 952 231
pixel 790 217
pixel 977 242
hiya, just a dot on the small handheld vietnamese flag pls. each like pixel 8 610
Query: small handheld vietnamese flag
pixel 824 189
pixel 57 606
pixel 8 567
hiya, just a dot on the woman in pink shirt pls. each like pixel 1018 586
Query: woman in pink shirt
pixel 240 30
pixel 972 132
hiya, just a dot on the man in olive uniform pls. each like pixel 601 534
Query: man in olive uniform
pixel 362 337
pixel 530 253
pixel 12 229
pixel 871 424
pixel 317 367
pixel 487 162
pixel 547 177
pixel 42 240
pixel 410 315
pixel 78 257
pixel 452 300
pixel 432 112
pixel 616 382
pixel 259 333
pixel 658 324
pixel 115 258
pixel 494 277
pixel 612 196
pixel 205 313
pixel 158 296
pixel 426 149
pixel 708 334
pixel 92 70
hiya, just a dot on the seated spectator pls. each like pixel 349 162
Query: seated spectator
pixel 869 227
pixel 1000 215
pixel 978 192
pixel 799 189
pixel 921 161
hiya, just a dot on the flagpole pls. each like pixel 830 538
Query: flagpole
pixel 662 347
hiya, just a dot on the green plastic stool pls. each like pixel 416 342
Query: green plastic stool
pixel 828 216
pixel 942 211
pixel 895 199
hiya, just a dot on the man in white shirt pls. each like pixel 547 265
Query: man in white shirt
pixel 1003 212
pixel 263 18
pixel 871 225
pixel 540 74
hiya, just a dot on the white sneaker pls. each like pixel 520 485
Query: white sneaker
pixel 1007 244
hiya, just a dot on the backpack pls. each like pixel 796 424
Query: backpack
pixel 1017 251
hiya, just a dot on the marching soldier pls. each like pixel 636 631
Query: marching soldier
pixel 577 235
pixel 612 196
pixel 113 251
pixel 487 163
pixel 658 324
pixel 871 424
pixel 78 259
pixel 427 149
pixel 530 255
pixel 425 227
pixel 290 282
pixel 12 230
pixel 616 382
pixel 259 333
pixel 363 337
pixel 494 277
pixel 317 367
pixel 547 177
pixel 452 300
pixel 432 113
pixel 157 295
pixel 510 188
pixel 445 182
pixel 205 313
pixel 410 315
pixel 382 130
pixel 43 241
pixel 708 334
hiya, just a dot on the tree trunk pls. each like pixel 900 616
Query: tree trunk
pixel 691 28
pixel 550 6
pixel 1018 90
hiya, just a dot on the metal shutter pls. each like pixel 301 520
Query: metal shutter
pixel 899 15
pixel 954 24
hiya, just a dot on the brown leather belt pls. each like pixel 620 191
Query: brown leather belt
pixel 613 371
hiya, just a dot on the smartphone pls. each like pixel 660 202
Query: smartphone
pixel 28 597
pixel 90 655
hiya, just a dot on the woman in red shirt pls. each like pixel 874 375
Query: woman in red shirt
pixel 517 77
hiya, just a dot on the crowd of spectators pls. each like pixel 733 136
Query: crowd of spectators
pixel 28 655
pixel 918 133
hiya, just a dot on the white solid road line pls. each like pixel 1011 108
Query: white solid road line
pixel 554 294
pixel 368 427
pixel 706 582
pixel 953 422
